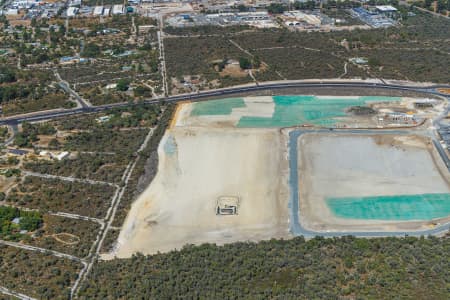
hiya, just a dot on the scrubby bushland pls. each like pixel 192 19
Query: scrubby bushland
pixel 417 50
pixel 37 274
pixel 140 115
pixel 103 167
pixel 66 235
pixel 379 268
pixel 28 221
pixel 47 194
pixel 145 168
pixel 106 140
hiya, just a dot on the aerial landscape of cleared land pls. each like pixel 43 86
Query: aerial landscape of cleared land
pixel 400 166
pixel 225 175
pixel 224 150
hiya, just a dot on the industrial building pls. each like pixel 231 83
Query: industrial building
pixel 256 19
pixel 373 17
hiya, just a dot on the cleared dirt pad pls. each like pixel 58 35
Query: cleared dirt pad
pixel 338 165
pixel 196 168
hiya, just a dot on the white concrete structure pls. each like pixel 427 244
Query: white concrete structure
pixel 98 11
pixel 118 9
pixel 62 155
pixel 12 12
pixel 386 8
pixel 72 11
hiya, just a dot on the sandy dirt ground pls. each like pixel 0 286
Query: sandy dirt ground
pixel 6 183
pixel 337 165
pixel 203 158
pixel 262 106
pixel 196 167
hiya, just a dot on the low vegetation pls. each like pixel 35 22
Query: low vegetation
pixel 37 274
pixel 66 235
pixel 30 132
pixel 198 56
pixel 107 140
pixel 110 240
pixel 145 168
pixel 101 167
pixel 23 91
pixel 414 51
pixel 135 116
pixel 16 224
pixel 56 195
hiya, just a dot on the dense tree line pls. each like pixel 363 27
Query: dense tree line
pixel 338 268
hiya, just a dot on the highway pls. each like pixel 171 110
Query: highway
pixel 205 95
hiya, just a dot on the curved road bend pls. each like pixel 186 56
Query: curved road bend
pixel 47 115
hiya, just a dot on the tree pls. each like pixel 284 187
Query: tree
pixel 256 62
pixel 374 62
pixel 123 85
pixel 276 8
pixel 142 91
pixel 53 144
pixel 91 50
pixel 21 141
pixel 244 63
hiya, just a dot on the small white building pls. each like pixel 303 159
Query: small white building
pixel 72 11
pixel 75 3
pixel 111 86
pixel 12 12
pixel 103 119
pixel 62 155
pixel 98 11
pixel 118 9
pixel 385 8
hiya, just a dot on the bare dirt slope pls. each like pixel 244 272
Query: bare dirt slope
pixel 196 167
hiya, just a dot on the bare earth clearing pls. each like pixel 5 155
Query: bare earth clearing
pixel 337 165
pixel 219 182
pixel 196 167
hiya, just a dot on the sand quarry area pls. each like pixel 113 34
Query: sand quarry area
pixel 223 175
pixel 197 166
pixel 340 165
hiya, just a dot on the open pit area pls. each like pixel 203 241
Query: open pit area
pixel 371 182
pixel 200 172
pixel 225 172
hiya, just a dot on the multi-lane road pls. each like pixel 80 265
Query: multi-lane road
pixel 205 95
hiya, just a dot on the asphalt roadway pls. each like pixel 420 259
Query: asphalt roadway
pixel 205 95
